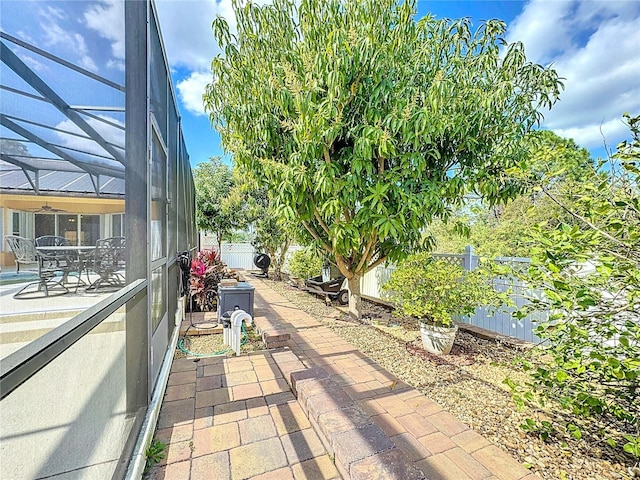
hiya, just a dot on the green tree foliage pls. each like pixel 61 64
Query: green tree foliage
pixel 366 124
pixel 589 269
pixel 553 160
pixel 553 164
pixel 216 210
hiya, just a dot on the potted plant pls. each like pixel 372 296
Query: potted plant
pixel 303 265
pixel 206 272
pixel 434 291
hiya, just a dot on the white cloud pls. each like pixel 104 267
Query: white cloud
pixel 542 27
pixel 55 12
pixel 109 133
pixel 32 62
pixel 190 45
pixel 186 29
pixel 117 64
pixel 107 18
pixel 594 45
pixel 187 33
pixel 596 135
pixel 56 36
pixel 88 63
pixel 25 36
pixel 190 91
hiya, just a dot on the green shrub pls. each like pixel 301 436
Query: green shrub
pixel 305 264
pixel 435 290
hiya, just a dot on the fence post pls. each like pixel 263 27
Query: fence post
pixel 470 261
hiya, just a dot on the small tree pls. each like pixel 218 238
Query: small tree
pixel 434 291
pixel 366 124
pixel 271 234
pixel 216 211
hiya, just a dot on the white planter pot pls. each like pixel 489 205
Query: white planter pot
pixel 438 340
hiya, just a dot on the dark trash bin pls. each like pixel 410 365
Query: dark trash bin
pixel 236 297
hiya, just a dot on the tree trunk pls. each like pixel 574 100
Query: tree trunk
pixel 355 300
pixel 274 263
pixel 279 258
pixel 277 270
pixel 219 239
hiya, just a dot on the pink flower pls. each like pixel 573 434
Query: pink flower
pixel 198 267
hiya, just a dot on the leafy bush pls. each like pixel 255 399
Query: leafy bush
pixel 436 290
pixel 590 360
pixel 305 264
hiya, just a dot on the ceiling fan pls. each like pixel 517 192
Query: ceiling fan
pixel 48 209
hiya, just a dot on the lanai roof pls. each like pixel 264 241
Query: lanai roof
pixel 62 126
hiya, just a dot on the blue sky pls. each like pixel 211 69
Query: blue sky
pixel 593 44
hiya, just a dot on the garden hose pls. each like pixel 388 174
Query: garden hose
pixel 184 262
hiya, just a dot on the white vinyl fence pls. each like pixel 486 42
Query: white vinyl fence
pixel 240 255
pixel 497 320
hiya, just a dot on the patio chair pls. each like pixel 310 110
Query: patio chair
pixel 45 266
pixel 109 262
pixel 52 241
pixel 67 261
pixel 23 252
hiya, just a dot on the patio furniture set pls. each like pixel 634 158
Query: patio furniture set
pixel 54 260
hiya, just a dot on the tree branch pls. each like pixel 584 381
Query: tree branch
pixel 320 221
pixel 317 237
pixel 343 267
pixel 325 151
pixel 366 255
pixel 380 165
pixel 376 263
pixel 354 88
pixel 586 222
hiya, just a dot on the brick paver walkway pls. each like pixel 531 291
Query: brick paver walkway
pixel 315 409
pixel 236 418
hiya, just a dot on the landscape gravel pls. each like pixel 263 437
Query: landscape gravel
pixel 469 384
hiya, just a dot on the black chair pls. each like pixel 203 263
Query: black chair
pixel 47 267
pixel 109 262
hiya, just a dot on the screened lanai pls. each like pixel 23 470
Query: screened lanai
pixel 62 125
pixel 91 149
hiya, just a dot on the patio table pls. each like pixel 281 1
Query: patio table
pixel 82 252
